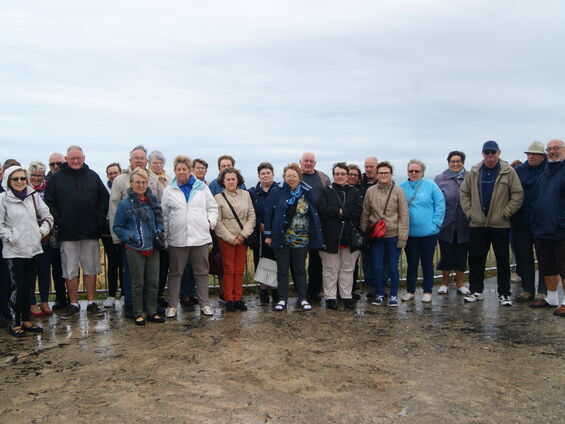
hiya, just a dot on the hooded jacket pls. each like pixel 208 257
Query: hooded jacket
pixel 455 221
pixel 549 212
pixel 19 229
pixel 78 201
pixel 507 197
pixel 426 206
pixel 188 223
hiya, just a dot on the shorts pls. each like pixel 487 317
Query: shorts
pixel 453 257
pixel 551 257
pixel 83 252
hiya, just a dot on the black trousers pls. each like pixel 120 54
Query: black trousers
pixel 314 273
pixel 114 267
pixel 523 246
pixel 22 275
pixel 57 274
pixel 481 240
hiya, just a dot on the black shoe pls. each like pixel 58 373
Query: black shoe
pixel 161 310
pixel 370 294
pixel 313 297
pixel 139 320
pixel 230 306
pixel 59 306
pixel 94 309
pixel 185 301
pixel 240 305
pixel 349 303
pixel 264 296
pixel 128 311
pixel 356 296
pixel 161 301
pixel 156 318
pixel 32 329
pixel 331 304
pixel 275 295
pixel 70 312
pixel 19 333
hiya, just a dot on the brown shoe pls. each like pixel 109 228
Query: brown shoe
pixel 524 297
pixel 542 303
pixel 559 311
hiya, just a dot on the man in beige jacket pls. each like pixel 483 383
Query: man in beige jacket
pixel 490 194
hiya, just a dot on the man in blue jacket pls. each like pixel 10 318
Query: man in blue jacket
pixel 520 223
pixel 549 226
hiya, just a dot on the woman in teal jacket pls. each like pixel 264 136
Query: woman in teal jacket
pixel 426 206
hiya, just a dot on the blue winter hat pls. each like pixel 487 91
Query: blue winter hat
pixel 491 145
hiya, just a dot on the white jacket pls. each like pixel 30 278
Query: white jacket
pixel 18 223
pixel 189 223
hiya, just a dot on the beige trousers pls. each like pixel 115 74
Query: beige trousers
pixel 337 268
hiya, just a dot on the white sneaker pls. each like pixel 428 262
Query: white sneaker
pixel 305 305
pixel 505 300
pixel 171 312
pixel 206 310
pixel 407 296
pixel 442 290
pixel 473 297
pixel 427 298
pixel 109 302
pixel 463 290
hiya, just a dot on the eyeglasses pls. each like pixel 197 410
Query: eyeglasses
pixel 18 179
pixel 414 171
pixel 553 148
pixel 385 173
pixel 55 164
pixel 36 175
pixel 340 174
pixel 455 161
pixel 490 152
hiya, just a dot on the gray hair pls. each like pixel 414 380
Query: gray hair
pixel 417 162
pixel 74 147
pixel 36 166
pixel 138 147
pixel 156 154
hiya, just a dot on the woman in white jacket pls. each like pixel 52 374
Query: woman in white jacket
pixel 24 221
pixel 190 212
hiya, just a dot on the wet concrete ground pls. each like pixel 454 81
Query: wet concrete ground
pixel 443 363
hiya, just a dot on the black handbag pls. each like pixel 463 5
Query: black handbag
pixel 358 239
pixel 159 242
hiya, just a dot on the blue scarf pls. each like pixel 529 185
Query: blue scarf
pixel 295 195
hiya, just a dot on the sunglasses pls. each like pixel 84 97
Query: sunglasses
pixel 490 152
pixel 18 179
pixel 55 163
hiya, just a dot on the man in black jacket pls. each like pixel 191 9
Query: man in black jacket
pixel 78 202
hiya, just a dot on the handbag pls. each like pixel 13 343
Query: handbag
pixel 253 240
pixel 40 222
pixel 377 229
pixel 266 271
pixel 159 241
pixel 358 239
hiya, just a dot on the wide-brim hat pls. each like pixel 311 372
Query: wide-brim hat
pixel 536 147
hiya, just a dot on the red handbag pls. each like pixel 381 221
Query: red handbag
pixel 377 229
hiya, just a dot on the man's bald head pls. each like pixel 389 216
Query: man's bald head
pixel 555 150
pixel 308 162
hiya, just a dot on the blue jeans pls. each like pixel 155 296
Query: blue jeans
pixel 43 274
pixel 378 250
pixel 420 249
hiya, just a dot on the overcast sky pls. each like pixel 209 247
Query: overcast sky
pixel 267 80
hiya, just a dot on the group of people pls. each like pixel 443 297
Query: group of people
pixel 166 231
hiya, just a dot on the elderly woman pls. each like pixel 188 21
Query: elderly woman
pixel 24 221
pixel 292 227
pixel 454 233
pixel 427 209
pixel 190 211
pixel 137 223
pixel 259 195
pixel 36 179
pixel 340 208
pixel 236 222
pixel 385 200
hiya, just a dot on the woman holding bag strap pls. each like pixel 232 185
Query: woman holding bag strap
pixel 385 200
pixel 236 222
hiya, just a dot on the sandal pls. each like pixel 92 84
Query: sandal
pixel 305 305
pixel 35 311
pixel 17 332
pixel 32 329
pixel 139 320
pixel 280 306
pixel 45 308
pixel 155 318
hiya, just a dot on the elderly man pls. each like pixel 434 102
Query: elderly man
pixel 549 226
pixel 119 191
pixel 78 201
pixel 490 194
pixel 369 179
pixel 318 181
pixel 55 162
pixel 522 238
pixel 224 162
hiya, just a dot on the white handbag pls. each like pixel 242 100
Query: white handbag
pixel 266 271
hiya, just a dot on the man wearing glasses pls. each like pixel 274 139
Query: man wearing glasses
pixel 56 160
pixel 549 226
pixel 490 194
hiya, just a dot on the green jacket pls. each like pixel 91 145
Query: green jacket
pixel 507 197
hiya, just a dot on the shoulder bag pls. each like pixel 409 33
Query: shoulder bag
pixel 377 229
pixel 253 240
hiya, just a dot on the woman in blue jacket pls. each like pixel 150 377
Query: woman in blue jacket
pixel 292 227
pixel 426 207
pixel 138 221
